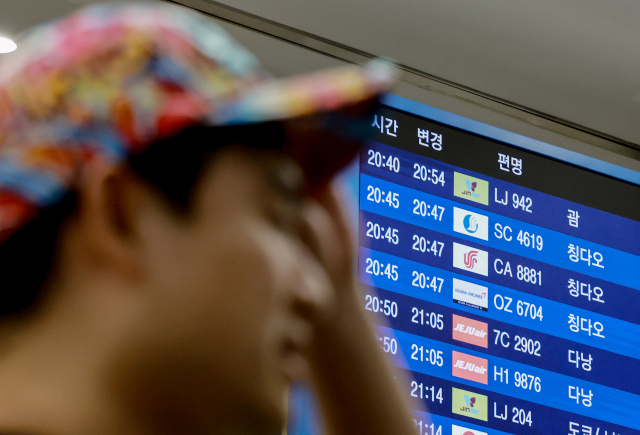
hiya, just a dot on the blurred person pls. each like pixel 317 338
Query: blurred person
pixel 172 252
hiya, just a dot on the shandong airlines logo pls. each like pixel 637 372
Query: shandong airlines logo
pixel 470 259
pixel 470 223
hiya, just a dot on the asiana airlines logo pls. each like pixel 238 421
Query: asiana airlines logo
pixel 470 295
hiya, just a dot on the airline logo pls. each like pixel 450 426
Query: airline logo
pixel 469 404
pixel 470 224
pixel 459 430
pixel 471 188
pixel 470 259
pixel 470 367
pixel 470 331
pixel 470 295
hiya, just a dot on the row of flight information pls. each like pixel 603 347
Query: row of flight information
pixel 508 282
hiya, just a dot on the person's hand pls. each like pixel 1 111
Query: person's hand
pixel 358 389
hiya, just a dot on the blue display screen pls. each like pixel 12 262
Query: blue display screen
pixel 508 275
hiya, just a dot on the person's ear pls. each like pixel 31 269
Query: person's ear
pixel 109 200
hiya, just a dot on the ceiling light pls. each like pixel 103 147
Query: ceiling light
pixel 7 45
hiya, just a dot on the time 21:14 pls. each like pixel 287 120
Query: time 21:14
pixel 428 429
pixel 425 392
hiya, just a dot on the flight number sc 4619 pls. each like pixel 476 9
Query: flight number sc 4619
pixel 524 238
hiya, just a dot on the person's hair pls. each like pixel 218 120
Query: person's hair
pixel 172 166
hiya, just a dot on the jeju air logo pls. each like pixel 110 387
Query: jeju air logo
pixel 470 367
pixel 470 259
pixel 470 331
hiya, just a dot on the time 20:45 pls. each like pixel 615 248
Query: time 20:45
pixel 378 232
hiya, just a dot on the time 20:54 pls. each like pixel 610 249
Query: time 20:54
pixel 421 172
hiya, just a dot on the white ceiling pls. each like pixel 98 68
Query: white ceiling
pixel 578 60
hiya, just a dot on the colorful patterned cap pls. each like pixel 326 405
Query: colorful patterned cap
pixel 110 80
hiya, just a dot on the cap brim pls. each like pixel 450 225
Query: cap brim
pixel 307 94
pixel 326 114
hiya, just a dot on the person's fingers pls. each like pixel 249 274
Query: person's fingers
pixel 328 235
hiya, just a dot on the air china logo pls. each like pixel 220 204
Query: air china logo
pixel 470 188
pixel 470 295
pixel 459 430
pixel 470 367
pixel 471 224
pixel 470 259
pixel 469 404
pixel 470 331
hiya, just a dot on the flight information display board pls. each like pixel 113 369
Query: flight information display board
pixel 509 281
